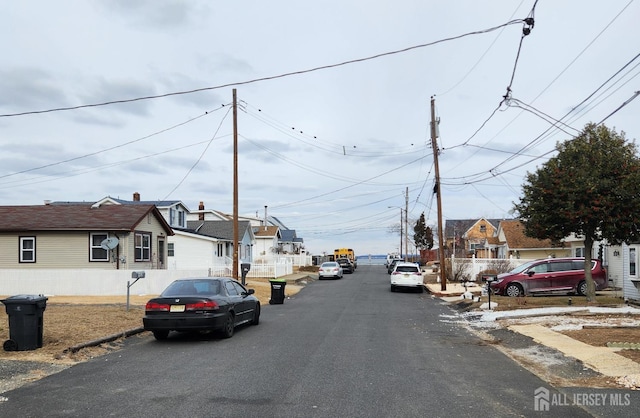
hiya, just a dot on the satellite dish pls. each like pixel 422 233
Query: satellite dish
pixel 109 243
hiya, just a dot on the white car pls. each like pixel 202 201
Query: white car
pixel 330 270
pixel 407 275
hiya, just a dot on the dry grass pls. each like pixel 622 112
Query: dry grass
pixel 74 320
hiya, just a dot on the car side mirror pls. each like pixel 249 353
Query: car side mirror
pixel 250 292
pixel 531 273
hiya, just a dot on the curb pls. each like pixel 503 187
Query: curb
pixel 113 337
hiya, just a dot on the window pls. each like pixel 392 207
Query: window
pixel 483 228
pixel 632 262
pixel 231 289
pixel 96 252
pixel 181 222
pixel 172 217
pixel 143 246
pixel 580 252
pixel 220 250
pixel 170 249
pixel 27 249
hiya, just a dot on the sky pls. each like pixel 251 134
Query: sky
pixel 112 97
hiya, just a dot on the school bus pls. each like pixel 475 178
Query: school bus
pixel 346 252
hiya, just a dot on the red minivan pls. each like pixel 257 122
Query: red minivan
pixel 549 275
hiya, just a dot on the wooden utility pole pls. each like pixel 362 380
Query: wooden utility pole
pixel 434 146
pixel 406 223
pixel 235 186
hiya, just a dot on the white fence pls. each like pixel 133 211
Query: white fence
pixel 469 268
pixel 93 282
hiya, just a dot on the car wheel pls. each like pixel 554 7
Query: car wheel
pixel 420 289
pixel 229 324
pixel 256 315
pixel 514 290
pixel 582 288
pixel 160 335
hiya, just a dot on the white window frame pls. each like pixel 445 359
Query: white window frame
pixel 24 251
pixel 142 245
pixel 93 247
pixel 171 249
pixel 633 262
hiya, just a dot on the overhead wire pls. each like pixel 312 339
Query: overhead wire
pixel 204 151
pixel 261 79
pixel 91 154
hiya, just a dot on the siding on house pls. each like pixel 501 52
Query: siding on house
pixel 62 234
pixel 630 288
pixel 194 251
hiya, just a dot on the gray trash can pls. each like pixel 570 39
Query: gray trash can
pixel 25 322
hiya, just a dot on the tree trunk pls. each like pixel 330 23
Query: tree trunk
pixel 591 286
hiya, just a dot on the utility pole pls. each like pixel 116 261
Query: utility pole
pixel 406 224
pixel 434 146
pixel 235 186
pixel 400 232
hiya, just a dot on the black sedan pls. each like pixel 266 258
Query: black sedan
pixel 346 264
pixel 201 304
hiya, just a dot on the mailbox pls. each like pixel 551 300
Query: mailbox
pixel 245 267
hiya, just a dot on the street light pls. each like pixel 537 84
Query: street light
pixel 398 207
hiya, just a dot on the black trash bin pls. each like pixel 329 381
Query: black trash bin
pixel 277 291
pixel 25 322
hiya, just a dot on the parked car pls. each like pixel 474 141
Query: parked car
pixel 408 275
pixel 390 258
pixel 346 264
pixel 549 275
pixel 393 263
pixel 331 270
pixel 201 304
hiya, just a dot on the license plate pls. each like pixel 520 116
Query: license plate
pixel 176 308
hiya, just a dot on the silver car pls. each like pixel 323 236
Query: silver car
pixel 330 270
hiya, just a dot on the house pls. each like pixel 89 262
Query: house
pixel 174 211
pixel 471 237
pixel 222 232
pixel 290 243
pixel 513 243
pixel 102 235
pixel 266 238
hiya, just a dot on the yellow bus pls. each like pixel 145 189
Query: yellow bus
pixel 346 252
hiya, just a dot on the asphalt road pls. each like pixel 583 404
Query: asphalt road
pixel 339 348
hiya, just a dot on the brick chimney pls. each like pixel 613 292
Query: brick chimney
pixel 136 197
pixel 201 209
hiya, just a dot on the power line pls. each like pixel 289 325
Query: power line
pixel 256 80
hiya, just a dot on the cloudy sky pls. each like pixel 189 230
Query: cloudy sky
pixel 111 97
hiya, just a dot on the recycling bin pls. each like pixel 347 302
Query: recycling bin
pixel 25 322
pixel 277 291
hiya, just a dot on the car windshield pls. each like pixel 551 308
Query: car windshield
pixel 192 287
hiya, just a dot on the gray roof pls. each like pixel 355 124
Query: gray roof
pixel 217 229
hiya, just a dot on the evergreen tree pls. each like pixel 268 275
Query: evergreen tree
pixel 590 188
pixel 423 235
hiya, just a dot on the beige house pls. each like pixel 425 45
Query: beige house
pixel 83 236
pixel 513 243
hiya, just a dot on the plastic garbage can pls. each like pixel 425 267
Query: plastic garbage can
pixel 25 322
pixel 277 291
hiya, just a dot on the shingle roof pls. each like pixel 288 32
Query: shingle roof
pixel 217 229
pixel 514 234
pixel 76 217
pixel 288 235
pixel 269 231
